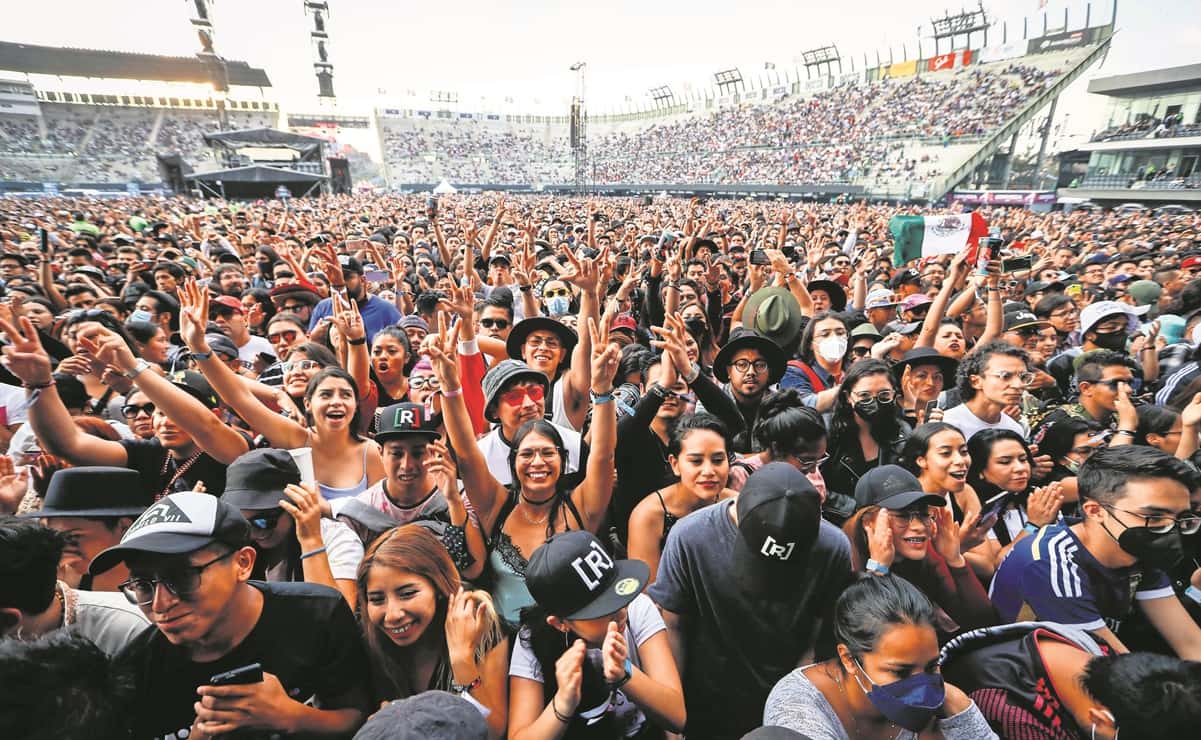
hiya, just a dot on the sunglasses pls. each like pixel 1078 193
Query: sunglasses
pixel 494 323
pixel 283 336
pixel 265 520
pixel 516 396
pixel 557 293
pixel 299 365
pixel 131 410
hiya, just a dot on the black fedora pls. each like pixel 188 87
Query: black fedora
pixel 92 492
pixel 837 293
pixel 927 356
pixel 743 338
pixel 524 328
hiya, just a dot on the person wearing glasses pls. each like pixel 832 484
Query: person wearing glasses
pixel 229 316
pixel 1135 504
pixel 903 530
pixel 494 319
pixel 1105 380
pixel 749 365
pixel 866 427
pixel 990 382
pixel 285 331
pixel 190 563
pixel 787 431
pixel 1108 325
pixel 139 414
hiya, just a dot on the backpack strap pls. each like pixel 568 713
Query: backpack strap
pixel 810 373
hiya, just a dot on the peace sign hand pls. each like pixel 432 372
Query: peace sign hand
pixel 24 356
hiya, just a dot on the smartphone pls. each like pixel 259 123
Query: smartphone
pixel 759 257
pixel 376 276
pixel 930 408
pixel 45 237
pixel 252 673
pixel 1073 290
pixel 431 207
pixel 994 505
pixel 1017 264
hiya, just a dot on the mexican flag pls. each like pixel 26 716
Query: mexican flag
pixel 915 237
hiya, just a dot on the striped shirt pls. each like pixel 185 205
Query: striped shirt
pixel 1052 577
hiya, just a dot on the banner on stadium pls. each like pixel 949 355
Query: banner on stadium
pixel 1000 52
pixel 815 85
pixel 951 60
pixel 1004 197
pixel 903 69
pixel 1056 41
pixel 851 78
pixel 779 91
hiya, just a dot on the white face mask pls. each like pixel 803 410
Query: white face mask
pixel 832 349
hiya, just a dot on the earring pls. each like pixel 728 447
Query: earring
pixel 566 641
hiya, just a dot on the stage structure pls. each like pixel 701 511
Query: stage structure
pixel 322 66
pixel 256 162
pixel 579 130
pixel 203 23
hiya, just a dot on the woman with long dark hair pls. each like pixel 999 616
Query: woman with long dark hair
pixel 823 353
pixel 592 659
pixel 423 631
pixel 1000 476
pixel 787 431
pixel 866 428
pixel 519 518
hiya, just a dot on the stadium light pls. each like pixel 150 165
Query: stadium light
pixel 440 96
pixel 822 58
pixel 662 95
pixel 728 80
pixel 964 23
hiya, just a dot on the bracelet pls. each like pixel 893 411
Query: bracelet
pixel 311 553
pixel 875 567
pixel 1127 432
pixel 458 688
pixel 629 673
pixel 695 373
pixel 1031 528
pixel 38 386
pixel 561 718
pixel 357 342
pixel 202 355
pixel 599 398
pixel 1193 593
pixel 138 369
pixel 453 394
pixel 525 288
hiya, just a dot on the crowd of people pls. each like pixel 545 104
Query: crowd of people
pixel 547 467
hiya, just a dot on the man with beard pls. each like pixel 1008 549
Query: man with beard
pixel 749 365
pixel 347 278
pixel 191 444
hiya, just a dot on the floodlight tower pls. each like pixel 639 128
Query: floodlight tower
pixel 219 73
pixel 964 24
pixel 822 59
pixel 579 129
pixel 322 66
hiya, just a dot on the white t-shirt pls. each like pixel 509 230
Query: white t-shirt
pixel 248 352
pixel 343 548
pixel 643 622
pixel 963 419
pixel 12 399
pixel 496 452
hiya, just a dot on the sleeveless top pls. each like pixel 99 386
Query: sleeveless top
pixel 669 520
pixel 330 492
pixel 507 565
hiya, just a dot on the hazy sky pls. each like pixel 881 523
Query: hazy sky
pixel 522 49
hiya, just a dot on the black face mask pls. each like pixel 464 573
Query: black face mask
pixel 874 410
pixel 1162 551
pixel 1111 340
pixel 695 325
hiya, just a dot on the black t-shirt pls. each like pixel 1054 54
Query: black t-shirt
pixel 306 636
pixel 147 457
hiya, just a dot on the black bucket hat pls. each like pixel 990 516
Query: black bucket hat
pixel 746 339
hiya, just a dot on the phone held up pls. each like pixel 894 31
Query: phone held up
pixel 247 674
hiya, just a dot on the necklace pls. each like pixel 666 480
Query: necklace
pixel 528 518
pixel 854 719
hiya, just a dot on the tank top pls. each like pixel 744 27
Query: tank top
pixel 669 520
pixel 330 492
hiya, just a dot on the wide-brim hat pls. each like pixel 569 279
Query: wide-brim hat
pixel 927 356
pixel 838 294
pixel 747 339
pixel 524 328
pixel 294 290
pixel 92 491
pixel 775 314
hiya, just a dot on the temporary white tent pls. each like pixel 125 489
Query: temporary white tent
pixel 444 188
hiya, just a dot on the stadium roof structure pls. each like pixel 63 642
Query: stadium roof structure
pixel 265 137
pixel 68 62
pixel 1138 84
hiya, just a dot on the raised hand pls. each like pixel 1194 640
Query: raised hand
pixel 569 675
pixel 1042 507
pixel 24 356
pixel 14 483
pixel 193 316
pixel 303 503
pixel 605 357
pixel 614 652
pixel 879 538
pixel 442 356
pixel 466 622
pixel 946 536
pixel 347 319
pixel 671 342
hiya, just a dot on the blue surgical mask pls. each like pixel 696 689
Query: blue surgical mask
pixel 558 305
pixel 140 315
pixel 911 702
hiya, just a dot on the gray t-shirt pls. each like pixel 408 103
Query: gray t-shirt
pixel 800 706
pixel 107 619
pixel 737 646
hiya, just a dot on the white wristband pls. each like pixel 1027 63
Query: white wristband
pixel 469 347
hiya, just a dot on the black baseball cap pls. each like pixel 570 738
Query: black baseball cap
pixel 572 577
pixel 404 420
pixel 256 480
pixel 1022 319
pixel 195 385
pixel 893 487
pixel 176 525
pixel 779 514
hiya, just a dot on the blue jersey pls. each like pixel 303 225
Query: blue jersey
pixel 1051 577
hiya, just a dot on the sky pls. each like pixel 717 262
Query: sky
pixel 491 53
